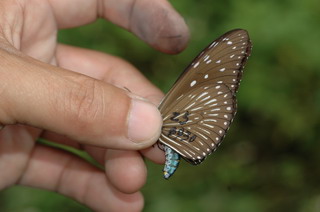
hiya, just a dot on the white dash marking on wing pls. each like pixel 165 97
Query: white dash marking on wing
pixel 210 101
pixel 215 109
pixel 204 99
pixel 201 95
pixel 208 125
pixel 197 108
pixel 190 105
pixel 209 120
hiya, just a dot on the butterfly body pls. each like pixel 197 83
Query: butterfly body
pixel 199 108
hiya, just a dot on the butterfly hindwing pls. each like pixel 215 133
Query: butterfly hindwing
pixel 195 123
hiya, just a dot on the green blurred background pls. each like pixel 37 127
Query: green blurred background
pixel 269 161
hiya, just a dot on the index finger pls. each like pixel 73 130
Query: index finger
pixel 155 22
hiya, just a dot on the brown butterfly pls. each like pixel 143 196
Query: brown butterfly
pixel 199 108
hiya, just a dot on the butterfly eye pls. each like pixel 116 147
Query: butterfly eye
pixel 200 107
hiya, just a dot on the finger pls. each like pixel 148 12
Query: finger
pixel 83 108
pixel 155 22
pixel 107 68
pixel 125 166
pixel 75 178
pixel 16 144
pixel 113 70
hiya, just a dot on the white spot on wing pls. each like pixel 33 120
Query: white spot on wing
pixel 206 76
pixel 218 61
pixel 229 42
pixel 193 83
pixel 196 65
pixel 209 61
pixel 222 69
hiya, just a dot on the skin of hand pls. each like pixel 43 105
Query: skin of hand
pixel 75 97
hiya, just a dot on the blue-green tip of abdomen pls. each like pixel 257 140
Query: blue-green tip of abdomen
pixel 172 162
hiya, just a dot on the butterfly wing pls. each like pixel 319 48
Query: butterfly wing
pixel 199 108
pixel 221 62
pixel 195 124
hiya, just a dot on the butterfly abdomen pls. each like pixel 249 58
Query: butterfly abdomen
pixel 172 162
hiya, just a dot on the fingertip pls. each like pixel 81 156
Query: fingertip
pixel 144 122
pixel 125 170
pixel 163 28
pixel 154 154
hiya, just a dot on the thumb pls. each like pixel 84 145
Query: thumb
pixel 85 109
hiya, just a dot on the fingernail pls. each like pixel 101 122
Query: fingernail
pixel 144 122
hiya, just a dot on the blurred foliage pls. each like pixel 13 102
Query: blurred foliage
pixel 269 159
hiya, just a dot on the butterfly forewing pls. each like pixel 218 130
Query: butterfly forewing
pixel 221 62
pixel 199 108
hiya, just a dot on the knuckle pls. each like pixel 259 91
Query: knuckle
pixel 84 101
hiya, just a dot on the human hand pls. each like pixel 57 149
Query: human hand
pixel 85 104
